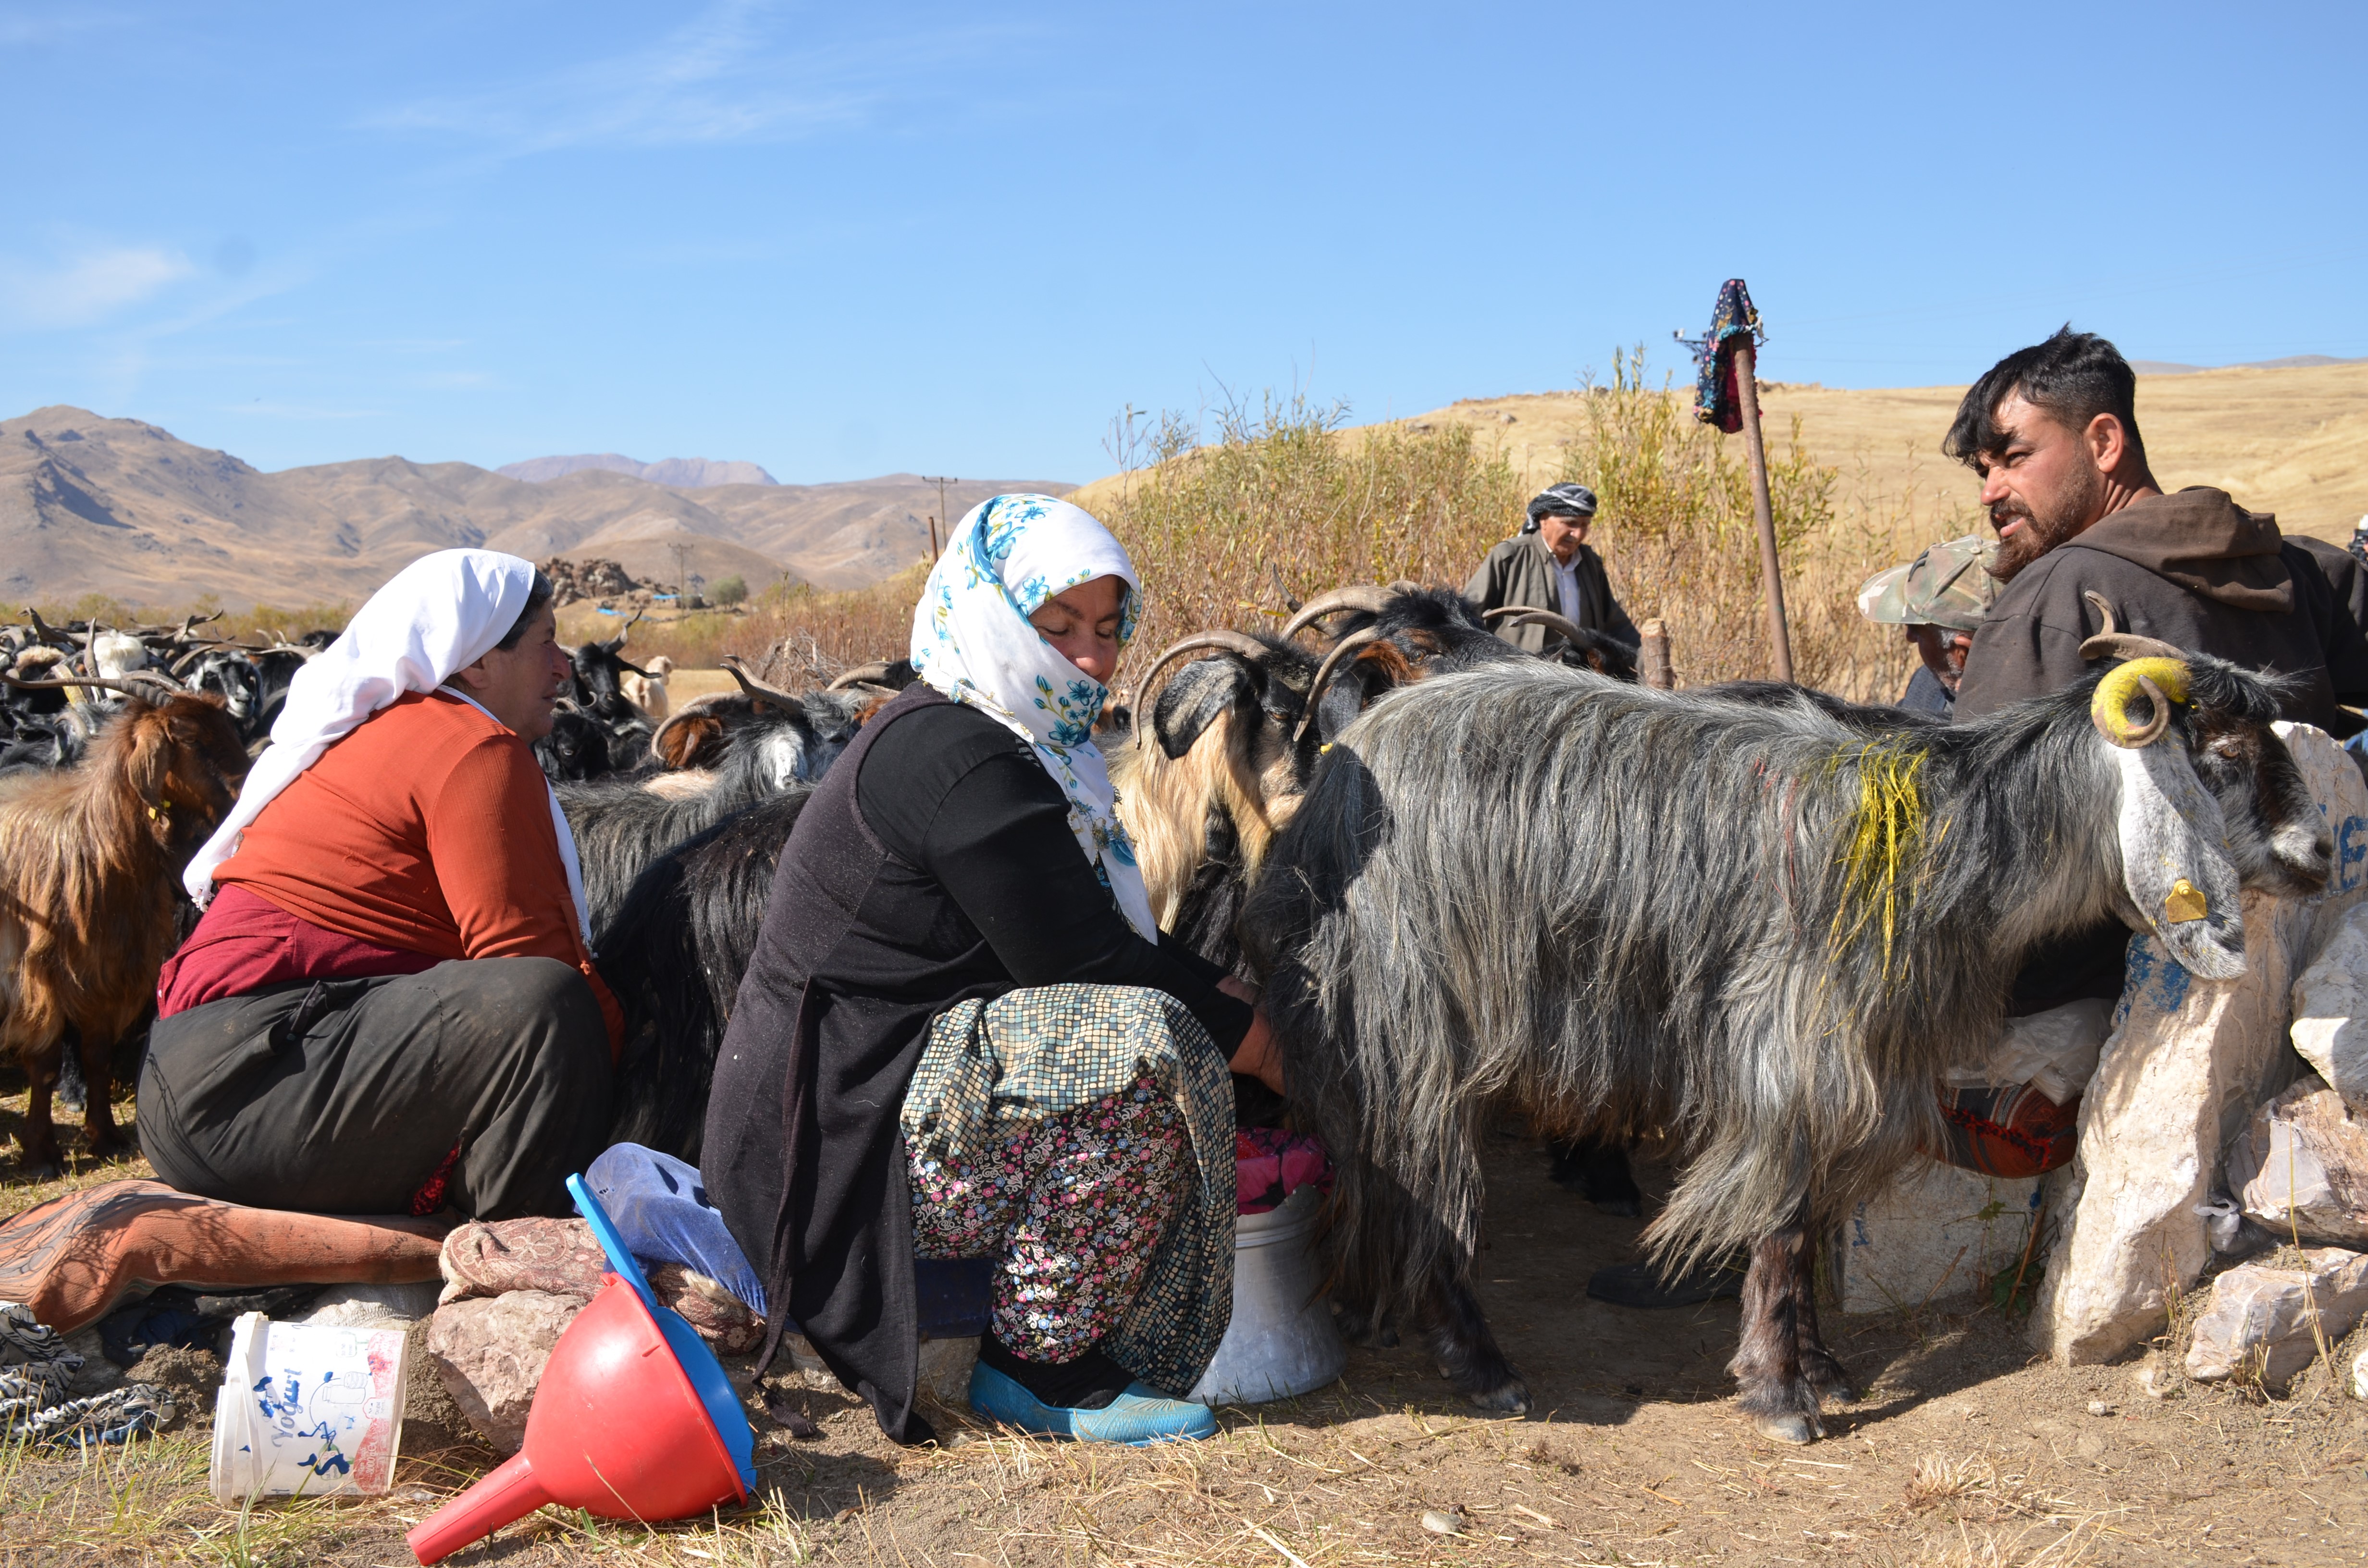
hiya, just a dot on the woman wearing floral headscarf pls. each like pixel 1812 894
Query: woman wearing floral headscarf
pixel 962 1037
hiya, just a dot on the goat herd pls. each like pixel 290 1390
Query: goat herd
pixel 1474 882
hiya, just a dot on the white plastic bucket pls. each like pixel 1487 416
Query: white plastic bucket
pixel 307 1411
pixel 1281 1341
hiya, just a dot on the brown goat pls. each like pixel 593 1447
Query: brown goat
pixel 90 864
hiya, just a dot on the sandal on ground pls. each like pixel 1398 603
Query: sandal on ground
pixel 1139 1416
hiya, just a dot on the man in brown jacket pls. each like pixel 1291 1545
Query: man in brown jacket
pixel 1548 566
pixel 2052 430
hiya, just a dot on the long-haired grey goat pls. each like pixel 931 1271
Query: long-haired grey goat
pixel 1766 926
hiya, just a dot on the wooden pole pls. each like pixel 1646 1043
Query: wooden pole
pixel 933 539
pixel 1653 659
pixel 1746 391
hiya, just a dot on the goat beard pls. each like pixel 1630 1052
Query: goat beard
pixel 2073 509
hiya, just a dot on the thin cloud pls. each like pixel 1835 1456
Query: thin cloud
pixel 88 289
pixel 720 79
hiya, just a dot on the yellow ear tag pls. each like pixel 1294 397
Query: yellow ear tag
pixel 2183 904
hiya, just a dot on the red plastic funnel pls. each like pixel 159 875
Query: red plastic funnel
pixel 616 1430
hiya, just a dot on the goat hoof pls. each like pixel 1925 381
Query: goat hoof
pixel 1383 1338
pixel 1789 1427
pixel 1511 1396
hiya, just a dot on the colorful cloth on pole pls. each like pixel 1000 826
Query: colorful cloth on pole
pixel 1717 401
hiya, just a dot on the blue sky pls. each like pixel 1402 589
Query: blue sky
pixel 843 240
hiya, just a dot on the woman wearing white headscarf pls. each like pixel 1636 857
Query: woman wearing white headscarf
pixel 390 1004
pixel 961 1035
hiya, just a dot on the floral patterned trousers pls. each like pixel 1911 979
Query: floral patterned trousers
pixel 1082 1135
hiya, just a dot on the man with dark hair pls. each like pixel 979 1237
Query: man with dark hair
pixel 1548 566
pixel 2053 431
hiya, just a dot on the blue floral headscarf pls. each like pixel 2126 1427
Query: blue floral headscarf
pixel 973 643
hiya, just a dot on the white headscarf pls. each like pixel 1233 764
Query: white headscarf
pixel 440 614
pixel 973 641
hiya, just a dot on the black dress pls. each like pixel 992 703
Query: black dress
pixel 934 864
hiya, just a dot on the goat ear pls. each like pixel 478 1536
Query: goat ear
pixel 2174 862
pixel 685 740
pixel 1193 698
pixel 148 761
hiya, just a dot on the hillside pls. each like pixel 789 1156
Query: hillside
pixel 93 505
pixel 2292 440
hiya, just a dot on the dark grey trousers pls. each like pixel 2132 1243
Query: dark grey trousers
pixel 345 1096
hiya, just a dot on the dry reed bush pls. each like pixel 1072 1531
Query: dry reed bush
pixel 1283 504
pixel 797 637
pixel 1679 538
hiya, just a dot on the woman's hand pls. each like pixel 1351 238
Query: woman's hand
pixel 1256 1057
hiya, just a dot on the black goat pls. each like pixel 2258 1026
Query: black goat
pixel 674 953
pixel 1759 924
pixel 577 750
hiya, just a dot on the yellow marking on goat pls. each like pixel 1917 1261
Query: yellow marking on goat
pixel 1883 841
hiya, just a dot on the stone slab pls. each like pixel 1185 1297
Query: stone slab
pixel 2276 1320
pixel 2300 1168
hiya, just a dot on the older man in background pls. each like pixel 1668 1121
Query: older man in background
pixel 1547 566
pixel 1939 600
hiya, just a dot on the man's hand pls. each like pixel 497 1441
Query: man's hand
pixel 1257 1056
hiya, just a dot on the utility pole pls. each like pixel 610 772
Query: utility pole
pixel 941 480
pixel 681 576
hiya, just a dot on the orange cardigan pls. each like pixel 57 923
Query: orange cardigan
pixel 428 829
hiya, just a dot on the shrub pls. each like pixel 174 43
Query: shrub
pixel 1283 504
pixel 730 591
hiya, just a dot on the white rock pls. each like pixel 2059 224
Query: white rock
pixel 2331 1007
pixel 2301 1167
pixel 2187 1062
pixel 2281 1316
pixel 490 1352
pixel 2360 1376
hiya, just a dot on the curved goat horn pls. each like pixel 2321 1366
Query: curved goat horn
pixel 130 678
pixel 2164 682
pixel 1366 597
pixel 758 690
pixel 1568 630
pixel 1508 609
pixel 1248 647
pixel 1343 652
pixel 2113 643
pixel 876 673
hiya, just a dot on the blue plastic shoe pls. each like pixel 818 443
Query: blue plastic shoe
pixel 1140 1416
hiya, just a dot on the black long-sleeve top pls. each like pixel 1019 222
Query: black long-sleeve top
pixel 961 800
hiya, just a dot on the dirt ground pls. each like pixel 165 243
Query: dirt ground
pixel 1963 1450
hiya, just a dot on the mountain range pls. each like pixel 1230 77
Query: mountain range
pixel 90 504
pixel 681 474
